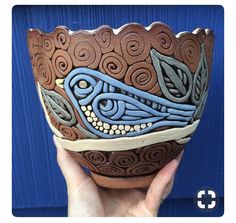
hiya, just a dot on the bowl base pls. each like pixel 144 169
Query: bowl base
pixel 123 182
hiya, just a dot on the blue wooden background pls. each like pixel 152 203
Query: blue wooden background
pixel 38 186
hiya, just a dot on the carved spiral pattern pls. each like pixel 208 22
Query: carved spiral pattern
pixel 142 76
pixel 96 157
pixel 113 65
pixel 54 121
pixel 40 43
pixel 44 71
pixel 124 159
pixel 132 43
pixel 111 170
pixel 140 161
pixel 162 39
pixel 84 51
pixel 188 51
pixel 48 45
pixel 174 152
pixel 154 153
pixel 142 168
pixel 61 38
pixel 126 56
pixel 80 159
pixel 68 132
pixel 61 63
pixel 105 38
pixel 33 40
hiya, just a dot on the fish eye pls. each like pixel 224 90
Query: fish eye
pixel 83 84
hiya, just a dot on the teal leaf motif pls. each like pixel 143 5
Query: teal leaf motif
pixel 175 78
pixel 200 80
pixel 60 108
pixel 200 85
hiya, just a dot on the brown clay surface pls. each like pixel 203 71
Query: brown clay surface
pixel 124 56
pixel 54 54
pixel 123 182
pixel 137 162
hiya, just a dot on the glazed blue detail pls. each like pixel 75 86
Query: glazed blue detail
pixel 179 118
pixel 120 112
pixel 89 79
pixel 97 89
pixel 105 87
pixel 130 107
pixel 117 96
pixel 129 89
pixel 137 113
pixel 116 103
pixel 179 112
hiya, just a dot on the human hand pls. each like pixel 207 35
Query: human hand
pixel 86 199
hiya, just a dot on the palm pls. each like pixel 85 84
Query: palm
pixel 124 202
pixel 85 198
pixel 102 201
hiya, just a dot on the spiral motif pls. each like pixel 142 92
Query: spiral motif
pixel 48 45
pixel 113 65
pixel 162 39
pixel 142 168
pixel 105 38
pixel 68 132
pixel 44 72
pixel 141 161
pixel 142 76
pixel 38 42
pixel 96 157
pixel 175 151
pixel 113 108
pixel 78 157
pixel 155 153
pixel 124 159
pixel 61 63
pixel 111 170
pixel 61 38
pixel 133 43
pixel 33 38
pixel 53 120
pixel 188 50
pixel 84 51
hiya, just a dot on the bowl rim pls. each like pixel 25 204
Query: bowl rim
pixel 197 31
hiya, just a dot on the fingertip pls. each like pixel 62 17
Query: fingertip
pixel 179 157
pixel 57 144
pixel 62 154
pixel 163 178
pixel 169 169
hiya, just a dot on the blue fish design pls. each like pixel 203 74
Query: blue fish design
pixel 111 109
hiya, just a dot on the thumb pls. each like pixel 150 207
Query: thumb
pixel 72 171
pixel 158 186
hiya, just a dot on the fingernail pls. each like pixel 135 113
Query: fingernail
pixel 178 158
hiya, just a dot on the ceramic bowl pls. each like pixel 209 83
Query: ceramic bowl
pixel 125 101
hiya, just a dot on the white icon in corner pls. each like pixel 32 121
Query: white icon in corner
pixel 206 199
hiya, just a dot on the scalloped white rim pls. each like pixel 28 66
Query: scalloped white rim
pixel 128 143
